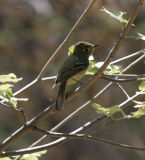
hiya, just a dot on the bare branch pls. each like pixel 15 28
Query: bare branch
pixel 91 138
pixel 71 115
pixel 127 57
pixel 28 127
pixel 80 108
pixel 114 49
pixel 63 139
pixel 121 87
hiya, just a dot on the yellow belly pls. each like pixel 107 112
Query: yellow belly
pixel 75 78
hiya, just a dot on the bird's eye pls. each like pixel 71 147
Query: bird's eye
pixel 86 50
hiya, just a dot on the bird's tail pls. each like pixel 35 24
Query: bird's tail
pixel 61 97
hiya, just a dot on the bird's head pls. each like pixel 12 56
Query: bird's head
pixel 84 48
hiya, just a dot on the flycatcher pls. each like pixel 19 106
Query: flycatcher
pixel 73 69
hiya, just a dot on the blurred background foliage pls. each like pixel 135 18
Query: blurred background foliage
pixel 30 31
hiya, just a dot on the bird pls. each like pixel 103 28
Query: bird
pixel 73 69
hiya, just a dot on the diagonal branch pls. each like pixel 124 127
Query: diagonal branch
pixel 28 127
pixel 91 138
pixel 48 110
pixel 70 116
pixel 64 139
pixel 115 48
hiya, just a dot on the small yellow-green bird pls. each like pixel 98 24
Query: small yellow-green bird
pixel 73 69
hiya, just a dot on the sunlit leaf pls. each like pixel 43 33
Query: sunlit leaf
pixel 142 85
pixel 40 153
pixel 33 156
pixel 137 114
pixel 5 158
pixel 7 95
pixel 141 79
pixel 110 69
pixel 118 15
pixel 5 86
pixel 9 78
pixel 113 69
pixel 108 111
pixel 92 69
pixel 29 157
pixel 71 50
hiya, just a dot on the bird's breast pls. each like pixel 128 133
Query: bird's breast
pixel 75 78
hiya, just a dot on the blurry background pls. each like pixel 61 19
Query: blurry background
pixel 30 31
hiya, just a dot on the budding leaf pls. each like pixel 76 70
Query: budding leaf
pixel 9 78
pixel 71 50
pixel 118 15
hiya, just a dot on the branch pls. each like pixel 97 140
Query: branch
pixel 48 110
pixel 116 80
pixel 89 137
pixel 70 116
pixel 115 48
pixel 129 56
pixel 64 139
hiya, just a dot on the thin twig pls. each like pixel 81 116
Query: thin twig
pixel 116 80
pixel 127 75
pixel 20 110
pixel 122 89
pixel 91 138
pixel 127 57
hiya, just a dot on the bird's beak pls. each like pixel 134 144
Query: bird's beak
pixel 95 45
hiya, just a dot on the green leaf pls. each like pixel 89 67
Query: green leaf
pixel 139 36
pixel 113 69
pixel 7 95
pixel 108 111
pixel 9 78
pixel 118 15
pixel 92 69
pixel 33 156
pixel 5 158
pixel 5 86
pixel 29 157
pixel 139 113
pixel 141 79
pixel 142 85
pixel 40 153
pixel 71 50
pixel 94 66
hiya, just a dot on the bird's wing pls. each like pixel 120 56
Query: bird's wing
pixel 73 68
